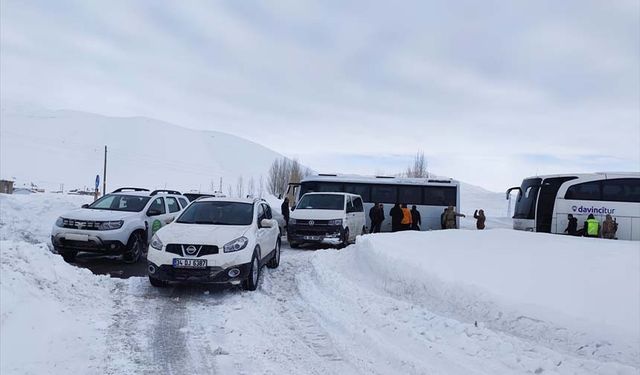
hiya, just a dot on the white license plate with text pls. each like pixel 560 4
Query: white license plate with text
pixel 189 263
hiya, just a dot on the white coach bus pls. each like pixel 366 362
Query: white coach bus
pixel 430 195
pixel 544 202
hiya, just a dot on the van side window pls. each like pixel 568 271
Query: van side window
pixel 357 205
pixel 349 205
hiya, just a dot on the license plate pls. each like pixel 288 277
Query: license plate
pixel 189 263
pixel 312 238
pixel 77 237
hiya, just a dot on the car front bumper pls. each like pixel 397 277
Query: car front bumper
pixel 208 275
pixel 332 234
pixel 94 244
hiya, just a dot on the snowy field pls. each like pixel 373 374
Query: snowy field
pixel 444 302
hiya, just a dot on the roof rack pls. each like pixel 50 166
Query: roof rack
pixel 385 177
pixel 328 174
pixel 129 188
pixel 165 191
pixel 441 181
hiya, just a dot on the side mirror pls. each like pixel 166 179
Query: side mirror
pixel 266 223
pixel 85 205
pixel 153 213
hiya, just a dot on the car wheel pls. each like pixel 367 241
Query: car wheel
pixel 69 256
pixel 345 239
pixel 251 282
pixel 134 249
pixel 275 261
pixel 157 282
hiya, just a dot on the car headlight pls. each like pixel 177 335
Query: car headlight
pixel 337 222
pixel 156 243
pixel 236 245
pixel 110 225
pixel 60 222
pixel 292 221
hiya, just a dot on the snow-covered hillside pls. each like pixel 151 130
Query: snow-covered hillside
pixel 51 148
pixel 443 302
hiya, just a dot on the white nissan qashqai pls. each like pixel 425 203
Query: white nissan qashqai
pixel 216 240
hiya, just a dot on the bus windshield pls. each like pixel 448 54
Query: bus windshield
pixel 526 202
pixel 321 202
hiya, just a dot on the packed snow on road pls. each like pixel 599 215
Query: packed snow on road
pixel 444 302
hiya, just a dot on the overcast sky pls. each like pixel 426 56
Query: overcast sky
pixel 491 91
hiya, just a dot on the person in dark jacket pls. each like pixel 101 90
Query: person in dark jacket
pixel 480 219
pixel 396 217
pixel 416 219
pixel 376 214
pixel 572 226
pixel 284 209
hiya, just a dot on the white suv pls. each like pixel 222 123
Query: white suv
pixel 121 222
pixel 216 240
pixel 331 218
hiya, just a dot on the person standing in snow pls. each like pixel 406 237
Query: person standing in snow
pixel 450 216
pixel 376 214
pixel 406 218
pixel 416 220
pixel 572 226
pixel 480 219
pixel 591 227
pixel 609 228
pixel 443 224
pixel 284 209
pixel 396 217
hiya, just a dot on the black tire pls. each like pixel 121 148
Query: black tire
pixel 294 245
pixel 157 282
pixel 134 249
pixel 69 256
pixel 364 231
pixel 253 279
pixel 275 261
pixel 345 239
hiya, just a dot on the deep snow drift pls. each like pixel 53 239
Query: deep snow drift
pixel 404 303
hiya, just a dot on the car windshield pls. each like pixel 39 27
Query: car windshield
pixel 218 213
pixel 117 202
pixel 321 202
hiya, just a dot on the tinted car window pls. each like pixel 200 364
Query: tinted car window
pixel 384 194
pixel 158 206
pixel 218 213
pixel 357 205
pixel 172 203
pixel 183 202
pixel 588 191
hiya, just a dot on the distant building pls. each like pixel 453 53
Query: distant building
pixel 6 187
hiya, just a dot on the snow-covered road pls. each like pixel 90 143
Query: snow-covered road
pixel 391 304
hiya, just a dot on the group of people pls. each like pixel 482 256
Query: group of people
pixel 592 227
pixel 404 219
pixel 401 217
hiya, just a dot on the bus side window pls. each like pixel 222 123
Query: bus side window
pixel 621 190
pixel 588 191
pixel 362 190
pixel 410 194
pixel 384 194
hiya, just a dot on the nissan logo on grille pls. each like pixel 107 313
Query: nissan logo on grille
pixel 191 250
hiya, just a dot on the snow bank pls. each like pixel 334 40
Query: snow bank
pixel 30 217
pixel 572 294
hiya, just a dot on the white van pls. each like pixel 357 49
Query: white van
pixel 331 218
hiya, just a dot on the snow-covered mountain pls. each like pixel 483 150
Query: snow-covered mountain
pixel 51 148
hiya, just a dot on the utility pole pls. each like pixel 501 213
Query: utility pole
pixel 104 173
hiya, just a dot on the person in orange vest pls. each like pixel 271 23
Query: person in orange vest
pixel 406 218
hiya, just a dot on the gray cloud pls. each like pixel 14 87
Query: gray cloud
pixel 470 83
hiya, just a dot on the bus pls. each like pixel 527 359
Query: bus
pixel 543 202
pixel 430 195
